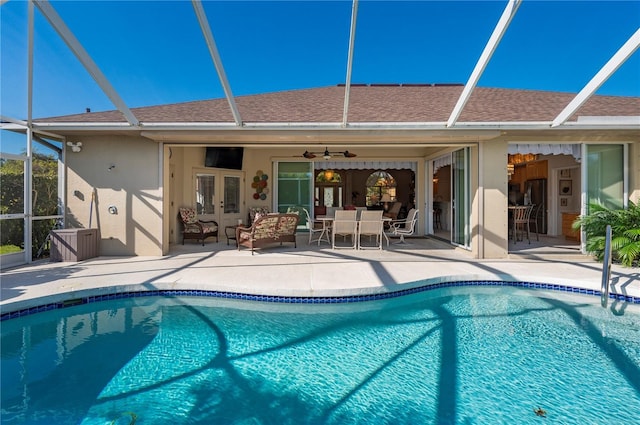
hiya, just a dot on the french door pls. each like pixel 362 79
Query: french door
pixel 218 196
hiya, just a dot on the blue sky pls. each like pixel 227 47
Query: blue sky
pixel 153 52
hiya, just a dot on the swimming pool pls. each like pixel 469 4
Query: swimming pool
pixel 458 355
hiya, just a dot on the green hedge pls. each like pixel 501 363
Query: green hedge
pixel 45 200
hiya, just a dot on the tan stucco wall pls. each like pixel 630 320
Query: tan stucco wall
pixel 132 186
pixel 492 200
pixel 258 160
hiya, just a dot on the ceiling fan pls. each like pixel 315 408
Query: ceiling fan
pixel 327 155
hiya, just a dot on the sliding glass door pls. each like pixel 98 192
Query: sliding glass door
pixel 295 185
pixel 605 176
pixel 460 197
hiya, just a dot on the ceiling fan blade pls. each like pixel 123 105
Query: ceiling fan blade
pixel 308 155
pixel 348 154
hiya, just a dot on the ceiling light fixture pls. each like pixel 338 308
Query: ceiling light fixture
pixel 327 154
pixel 328 175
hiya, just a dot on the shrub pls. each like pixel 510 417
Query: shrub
pixel 45 201
pixel 625 233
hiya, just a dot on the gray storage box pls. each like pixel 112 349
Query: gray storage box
pixel 74 244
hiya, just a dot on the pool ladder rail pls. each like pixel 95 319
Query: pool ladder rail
pixel 606 269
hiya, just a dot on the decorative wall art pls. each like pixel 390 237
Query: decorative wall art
pixel 564 202
pixel 565 187
pixel 566 173
pixel 260 185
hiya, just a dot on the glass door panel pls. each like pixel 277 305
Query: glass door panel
pixel 460 197
pixel 231 195
pixel 206 194
pixel 295 188
pixel 605 175
pixel 232 200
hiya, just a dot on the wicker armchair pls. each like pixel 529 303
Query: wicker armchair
pixel 193 228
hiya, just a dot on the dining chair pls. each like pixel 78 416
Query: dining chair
pixel 370 225
pixel 345 225
pixel 520 221
pixel 314 227
pixel 331 211
pixel 404 227
pixel 536 218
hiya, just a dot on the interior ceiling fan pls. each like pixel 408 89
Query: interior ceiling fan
pixel 327 154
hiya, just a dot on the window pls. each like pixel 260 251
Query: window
pixel 380 183
pixel 328 176
pixel 328 189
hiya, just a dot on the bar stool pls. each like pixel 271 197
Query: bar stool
pixel 437 214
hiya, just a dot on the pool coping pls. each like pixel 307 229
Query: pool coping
pixel 87 296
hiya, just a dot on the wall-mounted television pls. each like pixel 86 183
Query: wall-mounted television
pixel 225 157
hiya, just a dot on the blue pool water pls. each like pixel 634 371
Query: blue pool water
pixel 462 355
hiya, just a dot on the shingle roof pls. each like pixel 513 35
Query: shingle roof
pixel 375 103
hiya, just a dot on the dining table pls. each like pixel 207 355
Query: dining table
pixel 326 228
pixel 326 220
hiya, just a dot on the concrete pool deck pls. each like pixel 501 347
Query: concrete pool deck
pixel 305 271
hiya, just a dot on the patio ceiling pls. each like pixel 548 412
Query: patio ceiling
pixel 287 130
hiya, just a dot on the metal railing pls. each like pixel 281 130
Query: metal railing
pixel 606 269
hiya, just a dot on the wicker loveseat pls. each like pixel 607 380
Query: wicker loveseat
pixel 268 229
pixel 193 228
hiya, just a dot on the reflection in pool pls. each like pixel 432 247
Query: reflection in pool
pixel 461 355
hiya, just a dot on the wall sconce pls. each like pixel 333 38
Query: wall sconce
pixel 75 147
